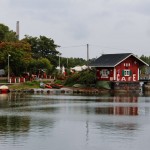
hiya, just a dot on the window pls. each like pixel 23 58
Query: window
pixel 126 64
pixel 104 73
pixel 126 73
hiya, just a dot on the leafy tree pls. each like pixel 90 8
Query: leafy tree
pixel 54 60
pixel 146 59
pixel 42 46
pixel 40 64
pixel 72 62
pixel 20 55
pixel 73 79
pixel 31 53
pixel 7 35
pixel 85 77
pixel 3 31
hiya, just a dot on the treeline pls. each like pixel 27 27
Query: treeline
pixel 146 59
pixel 31 53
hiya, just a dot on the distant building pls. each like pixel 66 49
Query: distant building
pixel 79 68
pixel 122 67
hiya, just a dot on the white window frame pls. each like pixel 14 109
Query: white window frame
pixel 127 72
pixel 104 73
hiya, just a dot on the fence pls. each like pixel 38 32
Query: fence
pixel 17 80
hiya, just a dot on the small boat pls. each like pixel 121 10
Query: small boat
pixel 4 89
pixel 48 86
pixel 56 86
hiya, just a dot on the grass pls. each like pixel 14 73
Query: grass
pixel 29 85
pixel 26 85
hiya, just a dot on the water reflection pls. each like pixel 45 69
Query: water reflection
pixel 20 112
pixel 4 97
pixel 117 105
pixel 14 124
pixel 72 121
pixel 119 110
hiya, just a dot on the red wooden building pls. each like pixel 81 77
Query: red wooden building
pixel 123 67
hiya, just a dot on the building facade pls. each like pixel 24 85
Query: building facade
pixel 123 67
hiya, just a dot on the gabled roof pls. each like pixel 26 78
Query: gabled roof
pixel 111 60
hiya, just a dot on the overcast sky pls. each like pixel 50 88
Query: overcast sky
pixel 108 26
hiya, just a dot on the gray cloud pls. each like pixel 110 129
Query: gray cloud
pixel 120 24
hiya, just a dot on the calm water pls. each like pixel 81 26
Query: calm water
pixel 63 122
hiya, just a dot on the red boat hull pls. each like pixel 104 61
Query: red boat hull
pixel 4 91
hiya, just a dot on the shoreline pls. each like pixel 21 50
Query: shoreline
pixel 24 88
pixel 75 91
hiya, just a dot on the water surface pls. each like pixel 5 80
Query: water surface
pixel 67 122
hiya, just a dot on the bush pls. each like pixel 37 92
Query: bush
pixel 84 77
pixel 73 79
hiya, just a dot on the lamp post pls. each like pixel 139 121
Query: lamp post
pixel 8 68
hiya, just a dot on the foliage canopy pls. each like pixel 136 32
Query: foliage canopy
pixel 85 77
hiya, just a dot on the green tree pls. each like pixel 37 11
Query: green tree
pixel 85 77
pixel 20 56
pixel 40 64
pixel 72 62
pixel 42 46
pixel 7 35
pixel 146 59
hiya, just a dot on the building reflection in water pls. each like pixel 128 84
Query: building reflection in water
pixel 119 107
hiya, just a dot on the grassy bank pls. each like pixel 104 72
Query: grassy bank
pixel 30 85
pixel 26 85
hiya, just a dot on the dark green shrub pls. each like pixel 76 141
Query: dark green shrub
pixel 72 79
pixel 86 77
